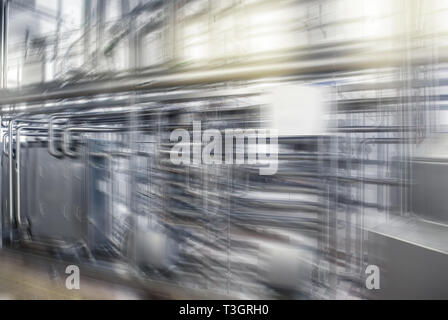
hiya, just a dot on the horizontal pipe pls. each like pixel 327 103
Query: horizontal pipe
pixel 353 63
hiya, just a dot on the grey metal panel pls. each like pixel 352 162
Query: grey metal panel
pixel 413 259
pixel 429 197
pixel 98 206
pixel 53 199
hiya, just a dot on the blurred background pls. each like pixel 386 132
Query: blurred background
pixel 92 89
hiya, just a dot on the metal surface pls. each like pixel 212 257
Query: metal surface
pixel 412 256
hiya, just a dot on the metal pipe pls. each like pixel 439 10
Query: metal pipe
pixel 153 96
pixel 4 42
pixel 51 148
pixel 5 152
pixel 67 132
pixel 10 158
pixel 5 47
pixel 190 77
pixel 11 187
pixel 1 190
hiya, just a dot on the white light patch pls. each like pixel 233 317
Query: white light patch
pixel 298 110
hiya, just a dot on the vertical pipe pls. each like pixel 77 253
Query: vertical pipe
pixel 3 39
pixel 5 10
pixel 87 24
pixel 11 187
pixel 1 193
pixel 2 66
pixel 19 222
pixel 100 30
pixel 58 31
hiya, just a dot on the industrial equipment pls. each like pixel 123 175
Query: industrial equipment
pixel 344 100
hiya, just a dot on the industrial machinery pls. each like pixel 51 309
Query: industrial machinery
pixel 92 92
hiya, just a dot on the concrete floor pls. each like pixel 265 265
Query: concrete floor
pixel 22 277
pixel 25 276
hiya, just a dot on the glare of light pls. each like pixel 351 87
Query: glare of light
pixel 438 15
pixel 264 35
pixel 196 42
pixel 377 21
pixel 196 52
pixel 266 43
pixel 194 29
pixel 265 18
pixel 227 41
pixel 240 34
pixel 370 18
